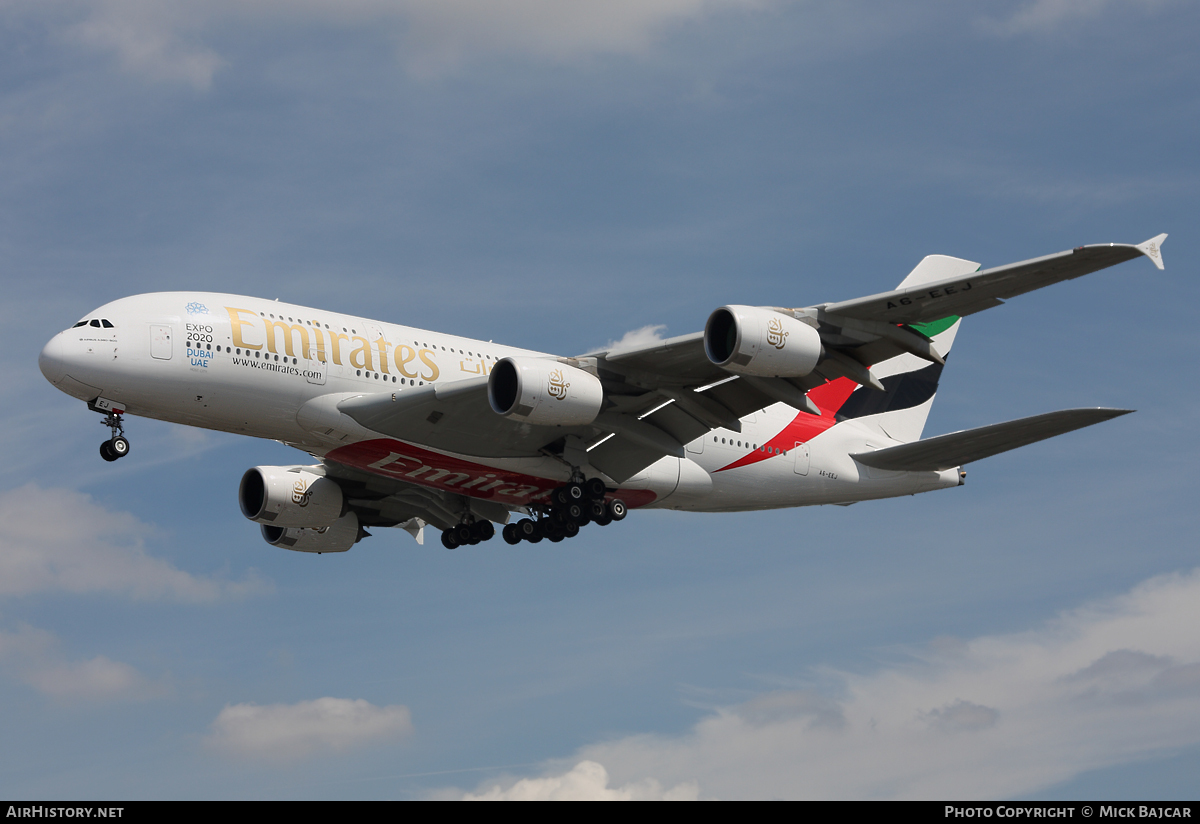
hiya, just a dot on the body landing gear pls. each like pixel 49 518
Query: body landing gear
pixel 117 446
pixel 573 507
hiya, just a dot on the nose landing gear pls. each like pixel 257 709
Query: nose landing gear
pixel 117 446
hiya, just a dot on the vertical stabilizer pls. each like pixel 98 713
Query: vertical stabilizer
pixel 909 382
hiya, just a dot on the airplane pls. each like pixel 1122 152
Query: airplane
pixel 767 407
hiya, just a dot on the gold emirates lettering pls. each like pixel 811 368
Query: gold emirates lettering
pixel 274 326
pixel 300 493
pixel 404 355
pixel 557 385
pixel 361 356
pixel 775 334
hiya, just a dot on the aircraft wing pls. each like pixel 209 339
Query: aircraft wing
pixel 454 417
pixel 392 502
pixel 983 290
pixel 970 445
pixel 664 394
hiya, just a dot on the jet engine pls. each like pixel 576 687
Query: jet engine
pixel 749 340
pixel 543 391
pixel 284 496
pixel 338 537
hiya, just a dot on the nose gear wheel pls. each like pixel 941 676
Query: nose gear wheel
pixel 118 445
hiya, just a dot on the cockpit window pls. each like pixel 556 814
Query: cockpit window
pixel 81 323
pixel 106 323
pixel 94 322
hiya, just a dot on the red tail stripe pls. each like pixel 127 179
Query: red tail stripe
pixel 829 398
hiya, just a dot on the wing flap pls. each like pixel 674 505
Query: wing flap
pixel 959 448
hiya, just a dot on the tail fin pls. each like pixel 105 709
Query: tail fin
pixel 910 382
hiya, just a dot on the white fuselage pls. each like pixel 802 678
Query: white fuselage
pixel 275 370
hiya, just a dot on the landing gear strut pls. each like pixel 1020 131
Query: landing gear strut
pixel 117 446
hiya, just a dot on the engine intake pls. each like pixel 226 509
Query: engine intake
pixel 750 340
pixel 544 391
pixel 289 496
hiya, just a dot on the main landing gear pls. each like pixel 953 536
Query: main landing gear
pixel 117 446
pixel 573 506
pixel 468 534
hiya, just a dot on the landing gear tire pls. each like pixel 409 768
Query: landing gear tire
pixel 528 530
pixel 483 530
pixel 569 494
pixel 594 488
pixel 617 510
pixel 449 540
pixel 511 535
pixel 116 446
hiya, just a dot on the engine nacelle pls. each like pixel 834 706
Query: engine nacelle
pixel 749 340
pixel 338 537
pixel 544 391
pixel 284 496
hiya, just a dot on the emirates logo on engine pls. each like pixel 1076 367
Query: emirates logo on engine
pixel 557 385
pixel 300 494
pixel 775 334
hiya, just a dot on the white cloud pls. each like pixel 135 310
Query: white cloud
pixel 60 540
pixel 586 781
pixel 1048 15
pixel 98 678
pixel 165 41
pixel 993 717
pixel 638 337
pixel 284 732
pixel 35 657
pixel 150 38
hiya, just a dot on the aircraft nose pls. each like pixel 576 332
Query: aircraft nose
pixel 53 361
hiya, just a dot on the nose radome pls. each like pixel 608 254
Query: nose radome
pixel 52 361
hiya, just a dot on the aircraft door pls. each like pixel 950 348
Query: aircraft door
pixel 800 450
pixel 160 341
pixel 314 368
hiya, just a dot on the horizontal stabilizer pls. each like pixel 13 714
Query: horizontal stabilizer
pixel 970 445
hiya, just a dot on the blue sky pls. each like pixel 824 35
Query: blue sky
pixel 554 175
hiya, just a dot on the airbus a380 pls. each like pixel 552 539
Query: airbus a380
pixel 768 407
